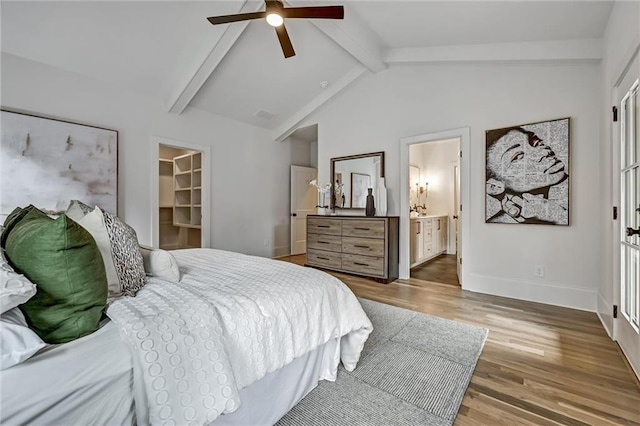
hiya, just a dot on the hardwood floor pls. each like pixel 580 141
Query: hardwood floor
pixel 541 364
pixel 441 269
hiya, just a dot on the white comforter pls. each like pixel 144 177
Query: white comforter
pixel 232 319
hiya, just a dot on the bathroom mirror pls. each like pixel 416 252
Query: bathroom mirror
pixel 352 176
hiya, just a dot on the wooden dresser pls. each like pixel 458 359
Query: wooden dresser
pixel 358 245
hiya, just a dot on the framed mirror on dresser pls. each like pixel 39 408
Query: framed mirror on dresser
pixel 351 176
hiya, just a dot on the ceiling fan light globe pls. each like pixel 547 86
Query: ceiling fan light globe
pixel 274 20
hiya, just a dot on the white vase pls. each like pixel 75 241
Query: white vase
pixel 323 210
pixel 381 199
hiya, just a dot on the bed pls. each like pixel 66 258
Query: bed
pixel 210 349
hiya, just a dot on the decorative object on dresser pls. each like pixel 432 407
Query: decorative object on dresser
pixel 49 162
pixel 323 191
pixel 381 204
pixel 358 245
pixel 360 172
pixel 428 238
pixel 371 206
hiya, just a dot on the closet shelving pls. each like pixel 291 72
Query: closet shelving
pixel 187 171
pixel 180 198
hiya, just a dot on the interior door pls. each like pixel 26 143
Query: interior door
pixel 627 325
pixel 303 202
pixel 456 220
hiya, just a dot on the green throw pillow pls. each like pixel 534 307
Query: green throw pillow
pixel 14 217
pixel 62 259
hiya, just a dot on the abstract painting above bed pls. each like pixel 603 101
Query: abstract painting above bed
pixel 48 163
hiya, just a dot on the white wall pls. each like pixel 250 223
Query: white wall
pixel 621 40
pixel 436 160
pixel 408 100
pixel 250 172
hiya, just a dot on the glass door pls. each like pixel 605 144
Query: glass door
pixel 627 328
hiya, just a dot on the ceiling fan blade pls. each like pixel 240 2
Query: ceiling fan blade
pixel 314 12
pixel 285 41
pixel 225 19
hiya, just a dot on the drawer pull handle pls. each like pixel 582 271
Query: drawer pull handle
pixel 362 229
pixel 360 264
pixel 323 226
pixel 323 242
pixel 359 246
pixel 323 258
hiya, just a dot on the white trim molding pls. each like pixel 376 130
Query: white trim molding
pixel 464 135
pixel 604 311
pixel 589 50
pixel 205 229
pixel 584 299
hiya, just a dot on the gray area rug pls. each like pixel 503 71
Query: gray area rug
pixel 414 370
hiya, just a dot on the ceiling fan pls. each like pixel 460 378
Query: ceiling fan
pixel 275 14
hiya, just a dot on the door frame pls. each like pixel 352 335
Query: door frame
pixel 451 243
pixel 616 197
pixel 205 229
pixel 464 134
pixel 291 217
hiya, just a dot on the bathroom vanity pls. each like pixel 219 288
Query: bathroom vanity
pixel 428 238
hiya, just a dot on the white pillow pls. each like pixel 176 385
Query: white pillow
pixel 77 210
pixel 93 222
pixel 15 289
pixel 160 263
pixel 118 245
pixel 19 343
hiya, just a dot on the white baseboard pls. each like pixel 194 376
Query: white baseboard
pixel 605 314
pixel 583 299
pixel 634 368
pixel 281 251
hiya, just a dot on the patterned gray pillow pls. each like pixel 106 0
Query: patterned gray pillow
pixel 126 254
pixel 78 209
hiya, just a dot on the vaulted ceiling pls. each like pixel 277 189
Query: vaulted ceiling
pixel 168 50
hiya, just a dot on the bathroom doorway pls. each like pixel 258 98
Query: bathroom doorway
pixel 434 210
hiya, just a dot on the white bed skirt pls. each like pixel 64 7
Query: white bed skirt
pixel 268 399
pixel 90 381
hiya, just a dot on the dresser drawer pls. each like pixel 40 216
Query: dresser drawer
pixel 365 265
pixel 366 246
pixel 369 228
pixel 428 234
pixel 324 259
pixel 317 225
pixel 428 249
pixel 324 242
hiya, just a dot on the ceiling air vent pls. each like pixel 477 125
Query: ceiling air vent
pixel 265 115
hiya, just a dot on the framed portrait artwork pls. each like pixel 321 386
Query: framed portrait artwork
pixel 49 162
pixel 527 174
